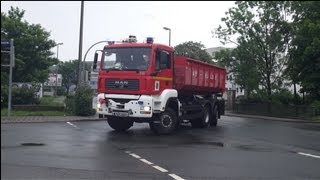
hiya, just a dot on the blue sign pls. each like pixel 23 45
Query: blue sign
pixel 5 42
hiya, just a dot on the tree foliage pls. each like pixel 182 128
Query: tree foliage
pixel 193 50
pixel 304 66
pixel 68 71
pixel 32 47
pixel 263 36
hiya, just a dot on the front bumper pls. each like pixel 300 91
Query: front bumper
pixel 126 106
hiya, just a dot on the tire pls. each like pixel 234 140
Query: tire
pixel 204 121
pixel 165 123
pixel 214 117
pixel 119 124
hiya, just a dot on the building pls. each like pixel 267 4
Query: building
pixel 50 86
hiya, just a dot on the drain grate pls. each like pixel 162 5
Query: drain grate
pixel 32 144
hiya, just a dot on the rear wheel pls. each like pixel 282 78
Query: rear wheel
pixel 204 121
pixel 119 124
pixel 165 123
pixel 214 117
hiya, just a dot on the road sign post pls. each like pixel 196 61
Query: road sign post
pixel 8 47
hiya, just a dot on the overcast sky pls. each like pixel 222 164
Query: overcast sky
pixel 110 20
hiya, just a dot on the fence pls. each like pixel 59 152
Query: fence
pixel 276 110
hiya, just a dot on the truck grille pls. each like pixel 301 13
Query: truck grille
pixel 125 84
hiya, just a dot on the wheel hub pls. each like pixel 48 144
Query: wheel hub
pixel 166 121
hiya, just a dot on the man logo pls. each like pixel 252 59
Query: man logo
pixel 121 84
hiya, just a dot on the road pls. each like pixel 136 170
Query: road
pixel 239 148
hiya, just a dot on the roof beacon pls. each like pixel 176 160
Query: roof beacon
pixel 149 40
pixel 132 39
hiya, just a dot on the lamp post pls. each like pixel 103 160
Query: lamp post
pixel 57 68
pixel 80 43
pixel 168 29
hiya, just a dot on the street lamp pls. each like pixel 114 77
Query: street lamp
pixel 168 29
pixel 57 67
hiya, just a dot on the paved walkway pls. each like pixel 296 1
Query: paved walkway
pixel 28 119
pixel 270 118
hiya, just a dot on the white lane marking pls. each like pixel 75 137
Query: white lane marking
pixel 134 155
pixel 176 177
pixel 72 124
pixel 146 161
pixel 311 155
pixel 160 168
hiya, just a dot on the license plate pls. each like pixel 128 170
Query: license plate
pixel 121 114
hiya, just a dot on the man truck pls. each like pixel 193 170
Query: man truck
pixel 166 92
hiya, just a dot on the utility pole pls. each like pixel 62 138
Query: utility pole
pixel 80 44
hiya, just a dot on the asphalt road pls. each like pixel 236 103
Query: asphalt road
pixel 238 148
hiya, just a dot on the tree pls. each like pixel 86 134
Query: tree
pixel 68 71
pixel 304 65
pixel 32 47
pixel 239 63
pixel 263 37
pixel 193 50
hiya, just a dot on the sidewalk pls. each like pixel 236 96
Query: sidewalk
pixel 269 118
pixel 33 119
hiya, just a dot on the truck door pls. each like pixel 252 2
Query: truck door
pixel 163 65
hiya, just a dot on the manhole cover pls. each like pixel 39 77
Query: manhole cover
pixel 32 144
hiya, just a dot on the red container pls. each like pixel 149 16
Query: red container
pixel 196 77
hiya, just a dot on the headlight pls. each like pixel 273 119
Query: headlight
pixel 147 108
pixel 98 105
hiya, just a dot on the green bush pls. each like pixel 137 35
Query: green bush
pixel 25 95
pixel 315 106
pixel 4 96
pixel 81 103
pixel 70 104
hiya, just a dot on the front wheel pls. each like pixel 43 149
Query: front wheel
pixel 166 122
pixel 119 124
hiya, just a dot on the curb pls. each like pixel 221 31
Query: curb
pixel 271 118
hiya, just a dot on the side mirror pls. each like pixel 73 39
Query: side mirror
pixel 95 60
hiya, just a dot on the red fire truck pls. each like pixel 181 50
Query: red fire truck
pixel 146 82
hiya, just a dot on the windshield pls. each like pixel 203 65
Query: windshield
pixel 137 58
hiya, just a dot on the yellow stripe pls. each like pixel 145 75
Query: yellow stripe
pixel 162 78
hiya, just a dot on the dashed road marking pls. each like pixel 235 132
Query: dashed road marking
pixel 310 155
pixel 72 124
pixel 176 177
pixel 134 155
pixel 160 168
pixel 146 161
